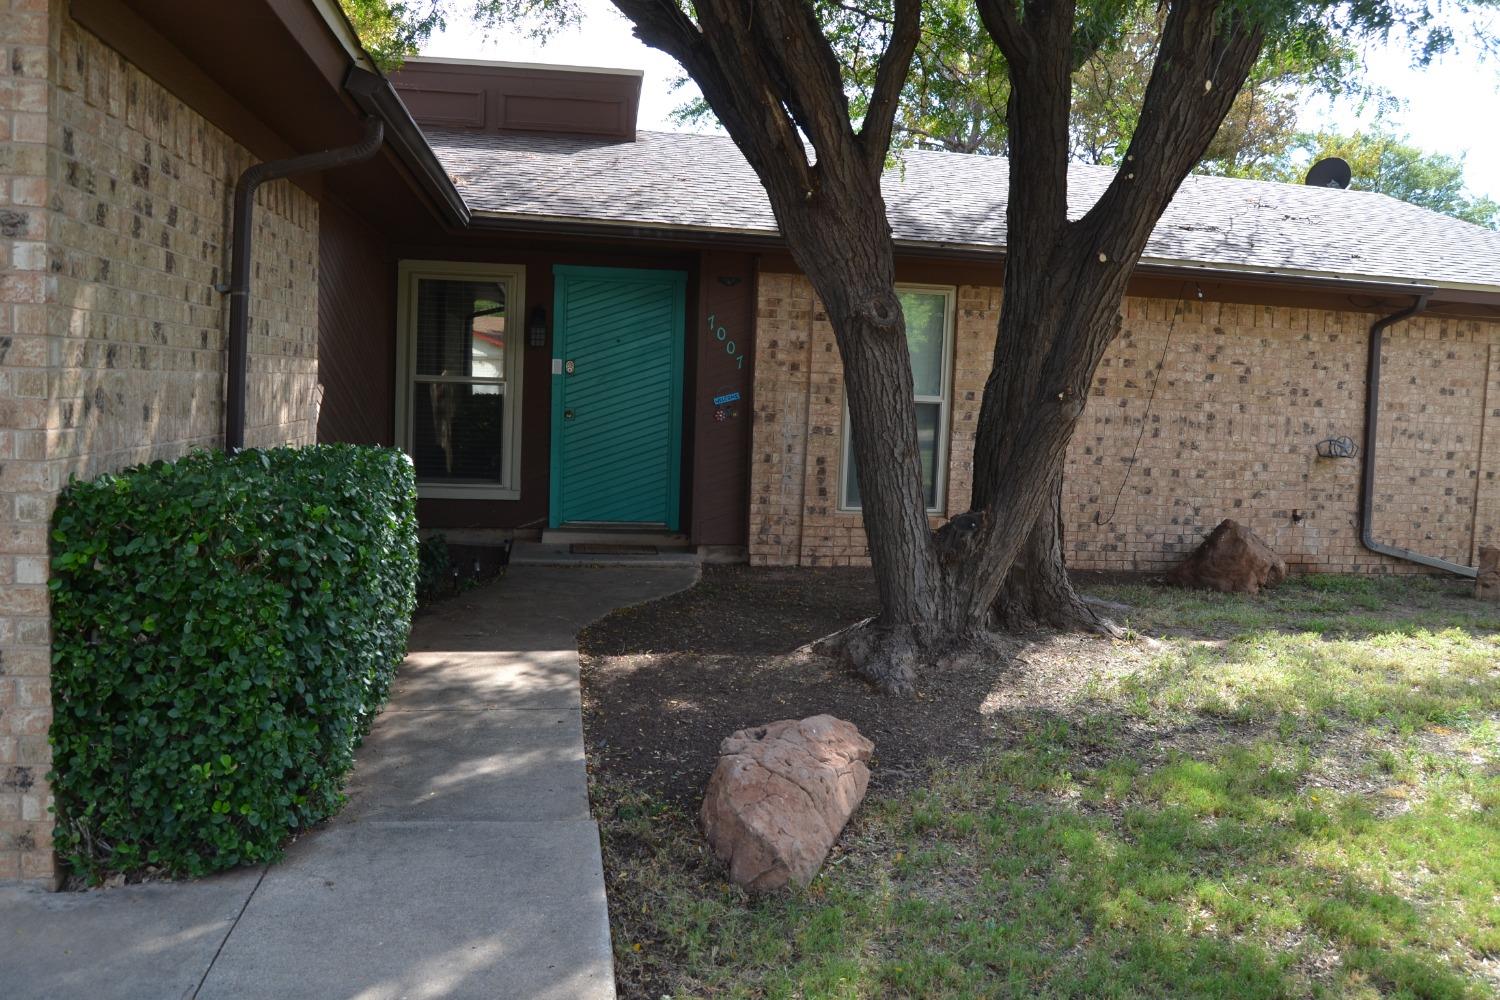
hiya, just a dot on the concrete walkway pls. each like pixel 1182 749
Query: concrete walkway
pixel 465 865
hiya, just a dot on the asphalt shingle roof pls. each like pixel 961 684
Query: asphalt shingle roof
pixel 701 182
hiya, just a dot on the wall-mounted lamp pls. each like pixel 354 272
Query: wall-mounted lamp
pixel 536 328
pixel 1337 447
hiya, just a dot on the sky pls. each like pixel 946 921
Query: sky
pixel 1451 107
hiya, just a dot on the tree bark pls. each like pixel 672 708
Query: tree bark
pixel 1065 279
pixel 1037 592
pixel 774 82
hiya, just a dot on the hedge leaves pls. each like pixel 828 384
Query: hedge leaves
pixel 224 630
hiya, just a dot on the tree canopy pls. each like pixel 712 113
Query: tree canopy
pixel 1387 162
pixel 391 30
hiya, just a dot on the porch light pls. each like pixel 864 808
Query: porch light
pixel 536 329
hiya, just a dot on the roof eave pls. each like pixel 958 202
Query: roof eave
pixel 1467 293
pixel 375 96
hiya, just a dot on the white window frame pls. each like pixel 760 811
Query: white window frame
pixel 409 273
pixel 945 401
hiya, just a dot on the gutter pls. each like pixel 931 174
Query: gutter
pixel 1372 429
pixel 239 267
pixel 378 99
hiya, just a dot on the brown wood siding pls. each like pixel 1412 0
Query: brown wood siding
pixel 720 433
pixel 356 331
pixel 519 98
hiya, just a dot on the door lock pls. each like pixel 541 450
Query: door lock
pixel 567 414
pixel 568 366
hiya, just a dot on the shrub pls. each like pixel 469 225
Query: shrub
pixel 435 569
pixel 224 630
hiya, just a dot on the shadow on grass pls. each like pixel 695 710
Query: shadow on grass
pixel 1283 812
pixel 1399 679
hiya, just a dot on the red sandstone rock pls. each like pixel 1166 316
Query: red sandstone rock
pixel 780 795
pixel 1487 587
pixel 1232 559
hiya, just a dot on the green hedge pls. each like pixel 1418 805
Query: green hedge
pixel 224 630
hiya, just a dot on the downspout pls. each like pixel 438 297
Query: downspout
pixel 239 266
pixel 1372 428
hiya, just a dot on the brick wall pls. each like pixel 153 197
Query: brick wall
pixel 1245 394
pixel 114 209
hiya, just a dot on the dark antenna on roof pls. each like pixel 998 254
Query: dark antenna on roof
pixel 1330 173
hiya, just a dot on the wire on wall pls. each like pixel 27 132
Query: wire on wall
pixel 1150 399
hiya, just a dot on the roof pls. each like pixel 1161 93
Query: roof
pixel 701 183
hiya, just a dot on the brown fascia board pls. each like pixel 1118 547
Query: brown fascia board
pixel 346 66
pixel 521 97
pixel 309 28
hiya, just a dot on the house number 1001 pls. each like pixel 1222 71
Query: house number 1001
pixel 722 335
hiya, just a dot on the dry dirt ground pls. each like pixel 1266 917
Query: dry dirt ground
pixel 665 682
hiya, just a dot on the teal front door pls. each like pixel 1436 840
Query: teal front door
pixel 617 396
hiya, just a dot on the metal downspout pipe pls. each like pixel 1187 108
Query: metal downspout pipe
pixel 1372 428
pixel 239 267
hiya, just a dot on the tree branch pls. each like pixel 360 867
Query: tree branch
pixel 755 115
pixel 1201 65
pixel 890 77
pixel 1003 22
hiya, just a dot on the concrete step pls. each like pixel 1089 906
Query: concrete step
pixel 599 554
pixel 661 540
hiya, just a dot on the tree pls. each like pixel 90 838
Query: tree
pixel 391 30
pixel 1261 124
pixel 819 139
pixel 1388 163
pixel 956 93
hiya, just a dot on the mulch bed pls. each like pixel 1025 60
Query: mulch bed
pixel 665 682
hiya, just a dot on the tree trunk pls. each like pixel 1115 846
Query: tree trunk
pixel 915 625
pixel 769 73
pixel 1065 278
pixel 1037 591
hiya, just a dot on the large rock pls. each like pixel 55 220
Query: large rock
pixel 1487 587
pixel 780 795
pixel 1232 559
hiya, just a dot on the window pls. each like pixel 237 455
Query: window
pixel 459 371
pixel 929 339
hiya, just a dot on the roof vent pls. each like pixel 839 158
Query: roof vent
pixel 1330 173
pixel 520 97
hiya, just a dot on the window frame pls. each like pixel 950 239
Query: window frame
pixel 945 405
pixel 513 277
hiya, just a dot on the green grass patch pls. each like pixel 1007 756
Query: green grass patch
pixel 1281 811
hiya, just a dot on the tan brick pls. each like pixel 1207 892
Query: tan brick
pixel 111 338
pixel 1244 396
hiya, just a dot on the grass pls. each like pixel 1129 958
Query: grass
pixel 1292 795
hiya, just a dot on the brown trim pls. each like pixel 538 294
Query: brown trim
pixel 520 97
pixel 1157 281
pixel 302 20
pixel 127 33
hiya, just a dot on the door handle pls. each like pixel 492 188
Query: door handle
pixel 568 366
pixel 567 414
